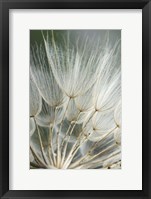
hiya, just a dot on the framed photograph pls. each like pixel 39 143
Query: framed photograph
pixel 75 99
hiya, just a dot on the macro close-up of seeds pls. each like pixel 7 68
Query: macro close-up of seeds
pixel 75 99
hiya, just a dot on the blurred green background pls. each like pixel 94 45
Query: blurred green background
pixel 36 35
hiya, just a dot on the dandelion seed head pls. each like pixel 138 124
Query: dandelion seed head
pixel 75 101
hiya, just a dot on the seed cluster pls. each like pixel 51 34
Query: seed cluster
pixel 75 102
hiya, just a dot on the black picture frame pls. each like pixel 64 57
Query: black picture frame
pixel 5 5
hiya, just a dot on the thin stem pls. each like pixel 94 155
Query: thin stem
pixel 41 144
pixel 51 150
pixel 50 146
pixel 65 136
pixel 94 163
pixel 66 145
pixel 83 157
pixel 58 158
pixel 91 149
pixel 79 137
pixel 96 156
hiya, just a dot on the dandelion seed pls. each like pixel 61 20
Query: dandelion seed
pixel 44 79
pixel 73 70
pixel 107 90
pixel 75 101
